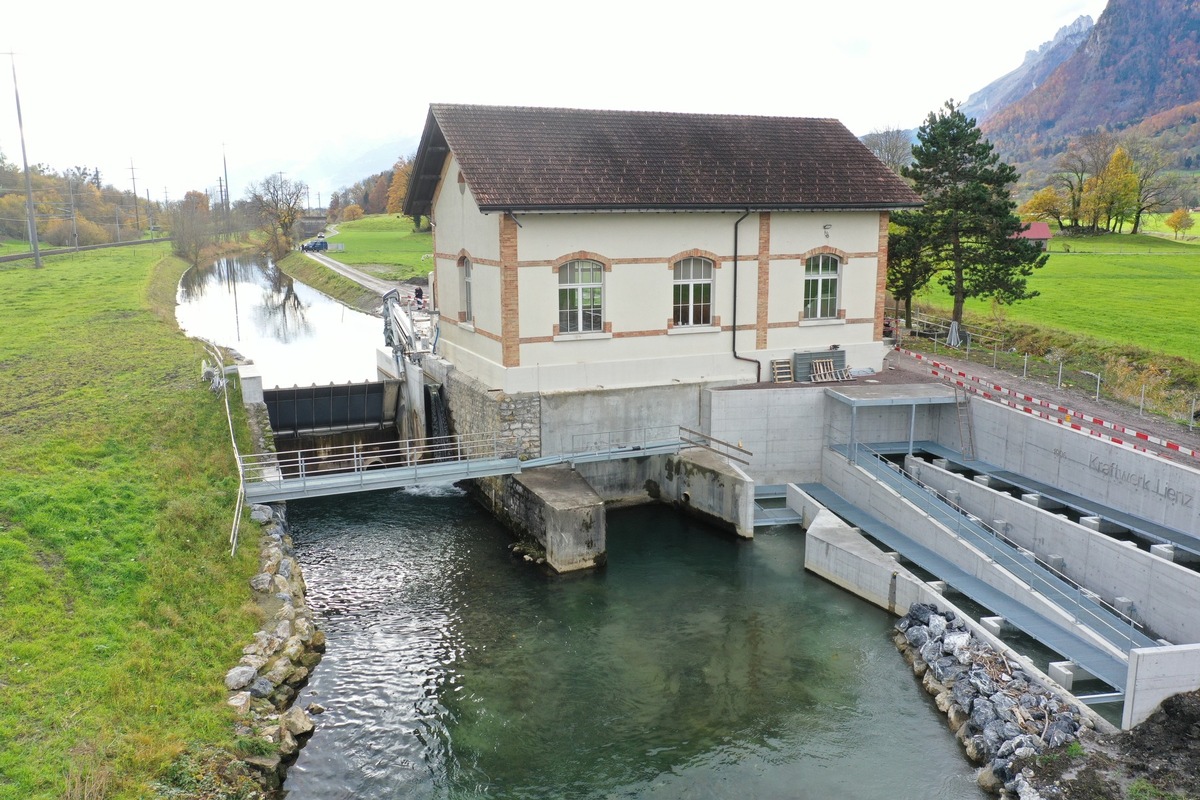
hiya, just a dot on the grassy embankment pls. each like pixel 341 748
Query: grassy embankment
pixel 385 245
pixel 120 607
pixel 1110 298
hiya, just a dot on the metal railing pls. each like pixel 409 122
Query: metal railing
pixel 312 463
pixel 1040 576
pixel 1143 386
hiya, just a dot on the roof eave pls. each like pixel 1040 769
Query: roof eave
pixel 534 208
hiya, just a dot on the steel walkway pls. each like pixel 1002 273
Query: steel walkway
pixel 319 472
pixel 1151 531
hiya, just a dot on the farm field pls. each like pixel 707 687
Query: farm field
pixel 1128 290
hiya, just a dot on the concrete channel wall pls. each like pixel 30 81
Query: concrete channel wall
pixel 1143 485
pixel 881 501
pixel 842 556
pixel 1164 595
pixel 1158 673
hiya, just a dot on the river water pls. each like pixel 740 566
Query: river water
pixel 694 665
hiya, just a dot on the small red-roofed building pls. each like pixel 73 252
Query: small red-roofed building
pixel 1037 232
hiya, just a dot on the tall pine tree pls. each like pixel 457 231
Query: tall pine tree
pixel 967 231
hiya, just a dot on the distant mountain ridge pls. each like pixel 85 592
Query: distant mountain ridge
pixel 1037 66
pixel 1139 62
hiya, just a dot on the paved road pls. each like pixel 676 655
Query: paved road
pixel 362 278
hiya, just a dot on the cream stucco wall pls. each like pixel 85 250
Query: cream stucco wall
pixel 640 347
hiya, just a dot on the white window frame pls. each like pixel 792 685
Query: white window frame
pixel 581 297
pixel 822 281
pixel 691 276
pixel 468 312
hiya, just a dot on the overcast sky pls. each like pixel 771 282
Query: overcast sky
pixel 329 92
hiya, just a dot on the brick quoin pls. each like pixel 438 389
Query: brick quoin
pixel 510 315
pixel 764 280
pixel 881 275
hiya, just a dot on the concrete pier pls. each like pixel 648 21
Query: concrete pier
pixel 557 508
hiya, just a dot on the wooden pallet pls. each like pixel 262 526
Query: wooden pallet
pixel 823 371
pixel 781 370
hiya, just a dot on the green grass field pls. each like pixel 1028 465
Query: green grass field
pixel 1125 290
pixel 120 606
pixel 384 245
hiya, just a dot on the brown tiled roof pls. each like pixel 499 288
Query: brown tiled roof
pixel 530 159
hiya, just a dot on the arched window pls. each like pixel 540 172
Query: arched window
pixel 693 291
pixel 581 297
pixel 468 312
pixel 821 286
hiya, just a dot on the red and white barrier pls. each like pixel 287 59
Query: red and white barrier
pixel 1033 405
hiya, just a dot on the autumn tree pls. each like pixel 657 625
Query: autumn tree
pixel 892 146
pixel 399 188
pixel 1180 220
pixel 352 212
pixel 967 231
pixel 277 203
pixel 1112 193
pixel 1047 203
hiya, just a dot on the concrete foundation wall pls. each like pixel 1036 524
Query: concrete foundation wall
pixel 1156 674
pixel 705 485
pixel 569 420
pixel 783 427
pixel 1164 594
pixel 1146 486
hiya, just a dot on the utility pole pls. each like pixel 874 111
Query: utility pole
pixel 137 220
pixel 33 238
pixel 221 203
pixel 74 225
pixel 228 216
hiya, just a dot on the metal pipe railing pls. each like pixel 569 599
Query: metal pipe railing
pixel 1001 550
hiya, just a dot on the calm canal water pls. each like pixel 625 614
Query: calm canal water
pixel 293 333
pixel 693 666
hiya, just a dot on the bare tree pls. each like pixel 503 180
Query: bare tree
pixel 191 227
pixel 277 203
pixel 892 146
pixel 1157 190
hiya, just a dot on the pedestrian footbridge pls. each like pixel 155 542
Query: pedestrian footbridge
pixel 324 471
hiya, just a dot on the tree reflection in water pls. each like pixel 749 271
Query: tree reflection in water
pixel 281 313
